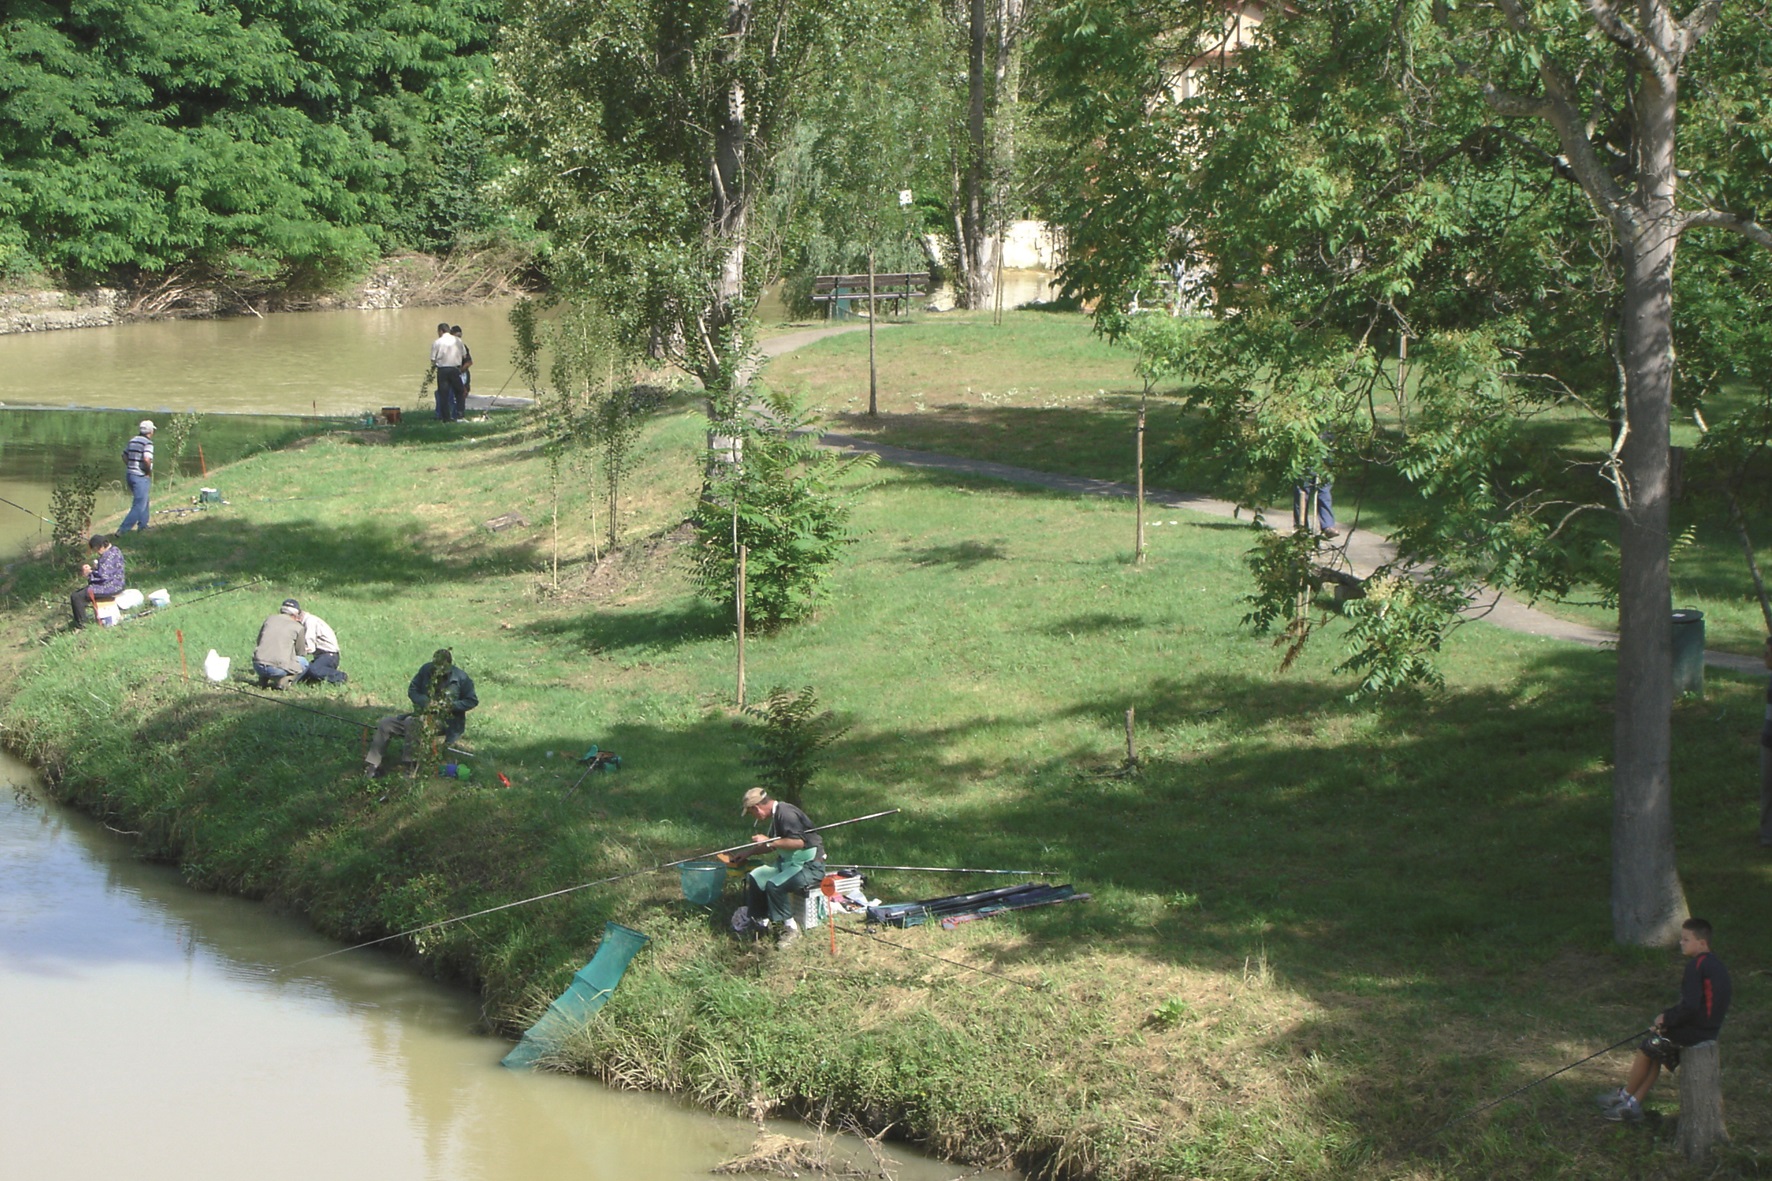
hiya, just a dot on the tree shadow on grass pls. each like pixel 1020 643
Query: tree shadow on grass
pixel 963 555
pixel 307 554
pixel 662 629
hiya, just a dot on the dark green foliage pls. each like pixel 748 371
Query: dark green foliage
pixel 285 140
pixel 785 503
pixel 787 749
pixel 71 506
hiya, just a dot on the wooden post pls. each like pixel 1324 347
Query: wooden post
pixel 1138 548
pixel 1701 1101
pixel 873 372
pixel 740 597
pixel 1131 744
pixel 183 669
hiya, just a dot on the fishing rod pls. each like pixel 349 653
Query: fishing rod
pixel 1033 873
pixel 226 590
pixel 1517 1090
pixel 931 955
pixel 632 873
pixel 21 508
pixel 307 709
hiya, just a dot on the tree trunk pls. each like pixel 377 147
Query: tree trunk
pixel 1701 1102
pixel 973 289
pixel 1648 903
pixel 721 346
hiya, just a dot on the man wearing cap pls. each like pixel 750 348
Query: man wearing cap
pixel 280 655
pixel 138 474
pixel 439 687
pixel 104 577
pixel 447 353
pixel 322 645
pixel 798 868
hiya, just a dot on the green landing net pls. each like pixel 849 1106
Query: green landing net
pixel 591 988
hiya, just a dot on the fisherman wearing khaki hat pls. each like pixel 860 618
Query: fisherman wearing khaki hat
pixel 798 868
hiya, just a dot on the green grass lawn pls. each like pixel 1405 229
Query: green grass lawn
pixel 1042 391
pixel 1318 930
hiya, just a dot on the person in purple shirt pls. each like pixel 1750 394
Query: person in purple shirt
pixel 104 577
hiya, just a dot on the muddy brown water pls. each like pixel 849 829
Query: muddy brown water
pixel 152 1033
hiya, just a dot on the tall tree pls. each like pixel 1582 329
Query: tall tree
pixel 648 131
pixel 1501 189
pixel 985 174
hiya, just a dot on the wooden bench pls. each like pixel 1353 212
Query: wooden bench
pixel 837 292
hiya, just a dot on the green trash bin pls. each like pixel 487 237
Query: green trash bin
pixel 1688 652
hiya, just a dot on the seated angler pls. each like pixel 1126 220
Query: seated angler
pixel 103 575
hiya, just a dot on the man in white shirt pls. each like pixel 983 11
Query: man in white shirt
pixel 447 354
pixel 322 642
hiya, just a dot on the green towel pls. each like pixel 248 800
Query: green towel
pixel 785 867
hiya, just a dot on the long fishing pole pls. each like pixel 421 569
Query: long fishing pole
pixel 632 873
pixel 226 590
pixel 322 713
pixel 1517 1090
pixel 1035 873
pixel 21 508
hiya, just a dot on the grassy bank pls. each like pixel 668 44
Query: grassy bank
pixel 1040 391
pixel 1319 930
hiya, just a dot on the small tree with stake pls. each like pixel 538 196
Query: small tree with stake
pixel 788 748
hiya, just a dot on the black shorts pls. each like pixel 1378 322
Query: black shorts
pixel 1663 1050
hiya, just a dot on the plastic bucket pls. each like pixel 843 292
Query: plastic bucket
pixel 702 881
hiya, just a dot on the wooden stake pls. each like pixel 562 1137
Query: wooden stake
pixel 183 670
pixel 1131 744
pixel 201 462
pixel 873 372
pixel 740 599
pixel 1138 549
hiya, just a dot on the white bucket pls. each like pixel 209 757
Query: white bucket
pixel 160 598
pixel 130 599
pixel 215 666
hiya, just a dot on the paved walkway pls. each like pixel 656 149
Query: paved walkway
pixel 1365 551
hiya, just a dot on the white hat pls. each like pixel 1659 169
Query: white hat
pixel 147 426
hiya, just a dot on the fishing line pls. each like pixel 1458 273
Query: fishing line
pixel 1517 1090
pixel 632 873
pixel 1026 873
pixel 943 959
pixel 322 713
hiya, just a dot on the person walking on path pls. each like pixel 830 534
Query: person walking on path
pixel 441 688
pixel 138 475
pixel 1704 1002
pixel 104 577
pixel 1766 759
pixel 322 645
pixel 799 868
pixel 447 352
pixel 281 653
pixel 467 373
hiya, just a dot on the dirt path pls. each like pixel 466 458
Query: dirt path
pixel 1365 551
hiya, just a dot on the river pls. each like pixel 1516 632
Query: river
pixel 150 1034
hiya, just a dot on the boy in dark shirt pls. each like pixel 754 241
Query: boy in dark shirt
pixel 1704 1002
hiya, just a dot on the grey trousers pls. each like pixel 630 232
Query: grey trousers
pixel 398 726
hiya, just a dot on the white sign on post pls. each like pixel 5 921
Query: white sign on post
pixel 904 198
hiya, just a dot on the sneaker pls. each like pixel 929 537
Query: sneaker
pixel 1610 1099
pixel 1331 534
pixel 789 933
pixel 1628 1111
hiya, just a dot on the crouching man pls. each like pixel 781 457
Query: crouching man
pixel 439 688
pixel 281 654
